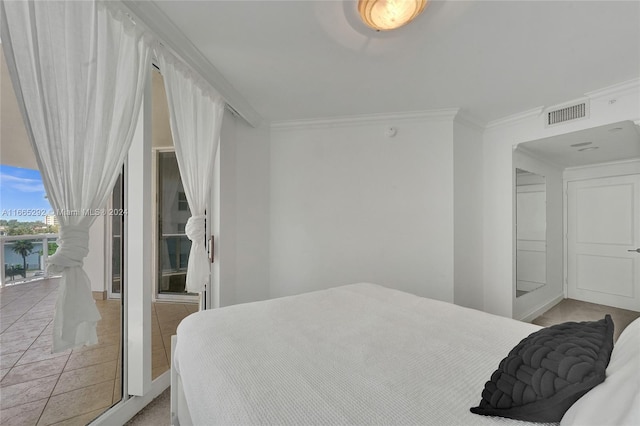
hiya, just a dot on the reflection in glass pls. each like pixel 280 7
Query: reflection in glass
pixel 117 221
pixel 173 213
pixel 531 232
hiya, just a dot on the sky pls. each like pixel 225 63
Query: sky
pixel 22 190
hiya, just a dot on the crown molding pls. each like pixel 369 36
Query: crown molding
pixel 470 120
pixel 632 161
pixel 445 114
pixel 170 36
pixel 626 87
pixel 515 118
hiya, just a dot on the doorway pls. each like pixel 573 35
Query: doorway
pixel 598 198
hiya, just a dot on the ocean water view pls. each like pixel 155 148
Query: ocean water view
pixel 24 210
pixel 13 258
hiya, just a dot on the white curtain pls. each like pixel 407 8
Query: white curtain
pixel 196 112
pixel 79 70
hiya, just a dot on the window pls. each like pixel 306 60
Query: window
pixel 182 202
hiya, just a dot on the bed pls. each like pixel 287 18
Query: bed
pixel 356 354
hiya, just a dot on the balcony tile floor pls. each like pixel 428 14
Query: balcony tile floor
pixel 72 387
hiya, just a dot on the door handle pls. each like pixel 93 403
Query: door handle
pixel 636 250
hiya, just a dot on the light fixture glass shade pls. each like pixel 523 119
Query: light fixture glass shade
pixel 384 15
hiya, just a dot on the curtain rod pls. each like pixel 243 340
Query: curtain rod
pixel 227 106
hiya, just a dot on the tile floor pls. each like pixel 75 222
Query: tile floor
pixel 73 387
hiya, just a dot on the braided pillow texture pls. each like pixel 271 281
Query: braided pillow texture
pixel 548 371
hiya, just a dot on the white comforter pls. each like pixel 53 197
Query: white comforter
pixel 358 354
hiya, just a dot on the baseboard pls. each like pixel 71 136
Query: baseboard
pixel 542 309
pixel 100 295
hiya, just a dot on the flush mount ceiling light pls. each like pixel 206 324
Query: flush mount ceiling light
pixel 384 15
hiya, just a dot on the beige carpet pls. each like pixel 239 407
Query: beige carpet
pixel 157 413
pixel 575 310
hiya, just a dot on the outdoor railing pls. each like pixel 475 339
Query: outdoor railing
pixel 18 251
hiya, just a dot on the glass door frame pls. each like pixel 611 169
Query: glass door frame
pixel 138 389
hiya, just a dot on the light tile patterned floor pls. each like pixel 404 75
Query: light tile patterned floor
pixel 73 387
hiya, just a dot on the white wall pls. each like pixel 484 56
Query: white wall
pixel 243 239
pixel 227 237
pixel 252 213
pixel 499 139
pixel 530 305
pixel 349 204
pixel 467 179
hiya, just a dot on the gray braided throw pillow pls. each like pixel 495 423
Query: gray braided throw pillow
pixel 548 371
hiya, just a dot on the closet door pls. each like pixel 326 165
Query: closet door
pixel 603 241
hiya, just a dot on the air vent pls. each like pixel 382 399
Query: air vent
pixel 569 113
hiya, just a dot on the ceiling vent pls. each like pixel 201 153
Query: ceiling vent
pixel 567 113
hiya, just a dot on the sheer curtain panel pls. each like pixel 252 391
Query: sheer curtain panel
pixel 78 69
pixel 196 117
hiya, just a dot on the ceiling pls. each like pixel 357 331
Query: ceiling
pixel 614 142
pixel 311 59
pixel 307 59
pixel 15 148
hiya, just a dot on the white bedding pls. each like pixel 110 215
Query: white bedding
pixel 358 354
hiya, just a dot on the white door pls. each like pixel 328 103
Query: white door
pixel 603 238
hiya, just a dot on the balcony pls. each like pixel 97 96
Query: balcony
pixel 18 269
pixel 76 386
pixel 72 388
